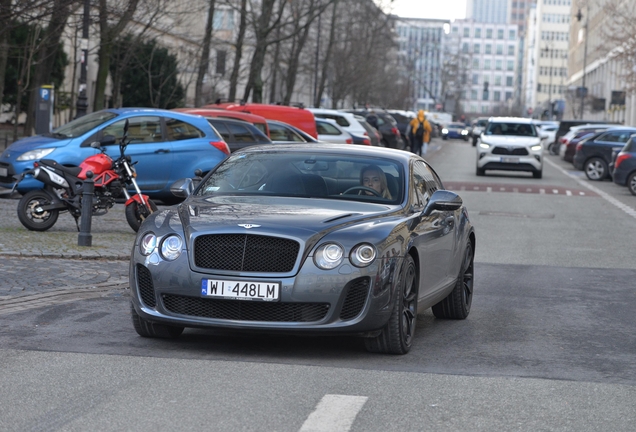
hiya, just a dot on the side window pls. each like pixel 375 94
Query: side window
pixel 221 129
pixel 241 133
pixel 624 137
pixel 179 130
pixel 339 119
pixel 419 186
pixel 277 133
pixel 609 137
pixel 327 129
pixel 144 129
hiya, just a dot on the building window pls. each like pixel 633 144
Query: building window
pixel 484 109
pixel 487 64
pixel 476 49
pixel 511 50
pixel 455 30
pixel 466 32
pixel 499 49
pixel 484 96
pixel 500 34
pixel 497 80
pixel 508 95
pixel 488 49
pixel 509 81
pixel 489 33
pixel 512 34
pixel 510 65
pixel 496 96
pixel 475 79
pixel 475 63
pixel 478 33
pixel 473 94
pixel 465 47
pixel 498 64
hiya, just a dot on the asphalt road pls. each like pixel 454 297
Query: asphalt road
pixel 549 344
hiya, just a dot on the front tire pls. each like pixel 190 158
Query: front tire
pixel 537 174
pixel 397 335
pixel 145 328
pixel 480 172
pixel 137 213
pixel 595 169
pixel 32 218
pixel 631 183
pixel 457 304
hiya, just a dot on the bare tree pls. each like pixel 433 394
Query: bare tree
pixel 204 60
pixel 620 38
pixel 322 80
pixel 238 50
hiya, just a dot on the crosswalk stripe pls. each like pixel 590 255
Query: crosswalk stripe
pixel 334 413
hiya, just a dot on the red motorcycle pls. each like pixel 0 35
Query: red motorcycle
pixel 38 210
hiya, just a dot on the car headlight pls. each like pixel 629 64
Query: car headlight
pixel 171 247
pixel 484 145
pixel 328 256
pixel 36 154
pixel 362 255
pixel 444 131
pixel 147 244
pixel 536 147
pixel 464 132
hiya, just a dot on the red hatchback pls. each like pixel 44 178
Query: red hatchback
pixel 258 121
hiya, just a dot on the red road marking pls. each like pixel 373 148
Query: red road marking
pixel 532 189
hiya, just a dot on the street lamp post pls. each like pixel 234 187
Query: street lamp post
pixel 82 100
pixel 546 50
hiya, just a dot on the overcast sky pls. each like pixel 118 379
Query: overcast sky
pixel 440 9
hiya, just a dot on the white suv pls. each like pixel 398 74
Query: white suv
pixel 510 144
pixel 345 120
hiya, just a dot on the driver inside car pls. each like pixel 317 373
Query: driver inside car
pixel 374 178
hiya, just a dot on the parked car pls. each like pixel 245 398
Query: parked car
pixel 593 156
pixel 258 121
pixel 329 131
pixel 238 134
pixel 478 125
pixel 403 119
pixel 624 170
pixel 569 141
pixel 167 145
pixel 372 134
pixel 564 127
pixel 281 132
pixel 287 238
pixel 549 130
pixel 345 120
pixel 298 117
pixel 510 144
pixel 386 125
pixel 455 131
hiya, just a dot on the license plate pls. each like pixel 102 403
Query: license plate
pixel 240 290
pixel 510 159
pixel 4 172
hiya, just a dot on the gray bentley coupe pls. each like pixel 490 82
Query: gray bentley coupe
pixel 315 239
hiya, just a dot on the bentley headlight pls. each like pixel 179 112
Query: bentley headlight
pixel 484 145
pixel 536 147
pixel 328 256
pixel 36 154
pixel 171 247
pixel 362 255
pixel 148 244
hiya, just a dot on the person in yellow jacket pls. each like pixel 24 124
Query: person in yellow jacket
pixel 420 134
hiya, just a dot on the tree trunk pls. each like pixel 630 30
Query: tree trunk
pixel 255 81
pixel 325 63
pixel 292 71
pixel 272 88
pixel 238 54
pixel 5 5
pixel 47 53
pixel 205 57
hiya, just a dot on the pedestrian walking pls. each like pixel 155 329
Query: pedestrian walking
pixel 420 134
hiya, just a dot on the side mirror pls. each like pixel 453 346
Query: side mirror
pixel 183 188
pixel 442 200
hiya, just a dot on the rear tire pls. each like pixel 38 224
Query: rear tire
pixel 32 218
pixel 397 335
pixel 137 213
pixel 595 169
pixel 145 328
pixel 457 304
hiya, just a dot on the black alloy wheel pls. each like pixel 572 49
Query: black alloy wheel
pixel 457 304
pixel 397 335
pixel 596 169
pixel 631 183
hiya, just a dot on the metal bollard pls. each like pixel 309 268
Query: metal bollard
pixel 85 238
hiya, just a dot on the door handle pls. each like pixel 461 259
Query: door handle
pixel 162 151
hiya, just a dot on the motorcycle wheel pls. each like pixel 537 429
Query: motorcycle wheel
pixel 136 213
pixel 30 217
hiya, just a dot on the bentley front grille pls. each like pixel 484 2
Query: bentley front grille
pixel 518 151
pixel 242 310
pixel 245 253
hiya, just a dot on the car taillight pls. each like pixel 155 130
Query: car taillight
pixel 579 146
pixel 366 141
pixel 620 158
pixel 221 145
pixel 349 141
pixel 395 131
pixel 563 140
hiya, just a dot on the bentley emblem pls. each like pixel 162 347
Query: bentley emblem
pixel 248 226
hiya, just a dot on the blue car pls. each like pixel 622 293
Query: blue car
pixel 166 145
pixel 624 169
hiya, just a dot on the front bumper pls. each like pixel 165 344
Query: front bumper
pixel 346 300
pixel 509 163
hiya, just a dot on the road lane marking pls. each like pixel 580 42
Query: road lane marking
pixel 627 209
pixel 334 413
